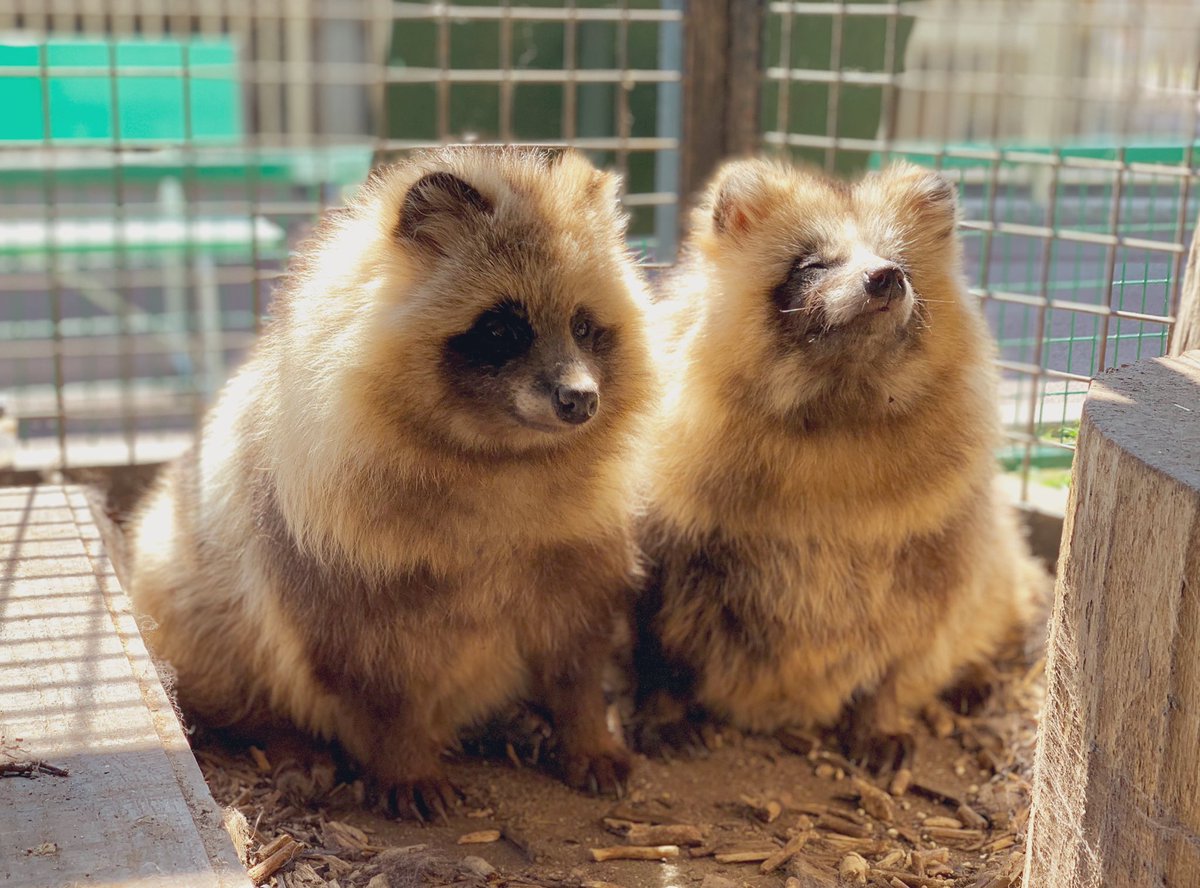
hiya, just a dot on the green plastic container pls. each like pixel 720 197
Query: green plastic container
pixel 166 91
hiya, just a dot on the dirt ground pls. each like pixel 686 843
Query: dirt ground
pixel 960 822
pixel 786 812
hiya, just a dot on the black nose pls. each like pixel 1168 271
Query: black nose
pixel 575 405
pixel 885 283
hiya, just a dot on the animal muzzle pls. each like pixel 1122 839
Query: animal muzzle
pixel 575 404
pixel 883 286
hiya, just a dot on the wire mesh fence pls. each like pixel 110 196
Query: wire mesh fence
pixel 1071 127
pixel 158 162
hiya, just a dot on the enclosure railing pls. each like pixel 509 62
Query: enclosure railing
pixel 138 250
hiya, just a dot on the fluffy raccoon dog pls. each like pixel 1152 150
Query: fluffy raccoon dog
pixel 412 506
pixel 823 534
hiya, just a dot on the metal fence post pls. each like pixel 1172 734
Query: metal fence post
pixel 722 82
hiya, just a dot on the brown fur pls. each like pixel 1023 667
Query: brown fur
pixel 371 540
pixel 822 523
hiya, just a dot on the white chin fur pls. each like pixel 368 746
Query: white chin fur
pixel 852 308
pixel 537 411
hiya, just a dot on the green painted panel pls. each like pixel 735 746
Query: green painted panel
pixel 152 108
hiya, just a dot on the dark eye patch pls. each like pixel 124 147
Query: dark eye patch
pixel 805 271
pixel 499 335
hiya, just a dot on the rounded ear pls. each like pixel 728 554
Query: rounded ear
pixel 604 190
pixel 923 189
pixel 740 198
pixel 436 208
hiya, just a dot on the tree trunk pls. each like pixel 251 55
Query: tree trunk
pixel 1186 335
pixel 1116 799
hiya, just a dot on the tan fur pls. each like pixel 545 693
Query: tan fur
pixel 351 550
pixel 822 519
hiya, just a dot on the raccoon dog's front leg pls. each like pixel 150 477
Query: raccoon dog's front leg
pixel 876 730
pixel 570 687
pixel 404 759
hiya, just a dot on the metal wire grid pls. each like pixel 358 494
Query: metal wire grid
pixel 1071 127
pixel 113 357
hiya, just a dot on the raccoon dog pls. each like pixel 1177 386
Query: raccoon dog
pixel 822 527
pixel 412 506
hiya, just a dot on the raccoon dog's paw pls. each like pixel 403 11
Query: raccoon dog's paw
pixel 422 799
pixel 304 782
pixel 667 728
pixel 602 770
pixel 974 687
pixel 872 735
pixel 883 754
pixel 302 769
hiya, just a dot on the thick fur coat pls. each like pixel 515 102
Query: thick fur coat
pixel 823 529
pixel 413 505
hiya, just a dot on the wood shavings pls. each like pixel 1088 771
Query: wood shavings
pixel 635 852
pixel 480 837
pixel 273 858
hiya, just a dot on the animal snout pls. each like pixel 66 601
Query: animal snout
pixel 575 404
pixel 883 285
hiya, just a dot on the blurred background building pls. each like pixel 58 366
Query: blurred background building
pixel 158 160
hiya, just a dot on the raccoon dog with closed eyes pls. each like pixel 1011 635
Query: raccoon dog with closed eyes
pixel 823 532
pixel 412 506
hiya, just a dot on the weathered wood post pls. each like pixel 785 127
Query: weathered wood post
pixel 1116 799
pixel 722 63
pixel 1186 334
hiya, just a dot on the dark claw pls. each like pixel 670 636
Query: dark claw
pixel 881 754
pixel 601 773
pixel 424 800
pixel 972 691
pixel 667 740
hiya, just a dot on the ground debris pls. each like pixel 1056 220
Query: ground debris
pixel 1006 875
pixel 793 847
pixel 480 837
pixel 635 852
pixel 874 800
pixel 665 834
pixel 31 769
pixel 342 838
pixel 739 806
pixel 854 869
pixel 273 857
pixel 766 810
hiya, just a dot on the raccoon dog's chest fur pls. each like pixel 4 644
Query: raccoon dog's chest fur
pixel 413 505
pixel 822 525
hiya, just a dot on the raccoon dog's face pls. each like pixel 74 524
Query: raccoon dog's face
pixel 524 298
pixel 539 370
pixel 838 277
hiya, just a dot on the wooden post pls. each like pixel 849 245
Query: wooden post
pixel 1116 799
pixel 722 62
pixel 1186 335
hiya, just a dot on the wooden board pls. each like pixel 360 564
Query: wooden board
pixel 78 690
pixel 1117 781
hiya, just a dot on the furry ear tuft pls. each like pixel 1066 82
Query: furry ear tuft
pixel 603 188
pixel 925 189
pixel 936 191
pixel 740 199
pixel 435 207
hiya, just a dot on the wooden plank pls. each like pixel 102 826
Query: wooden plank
pixel 78 690
pixel 1117 780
